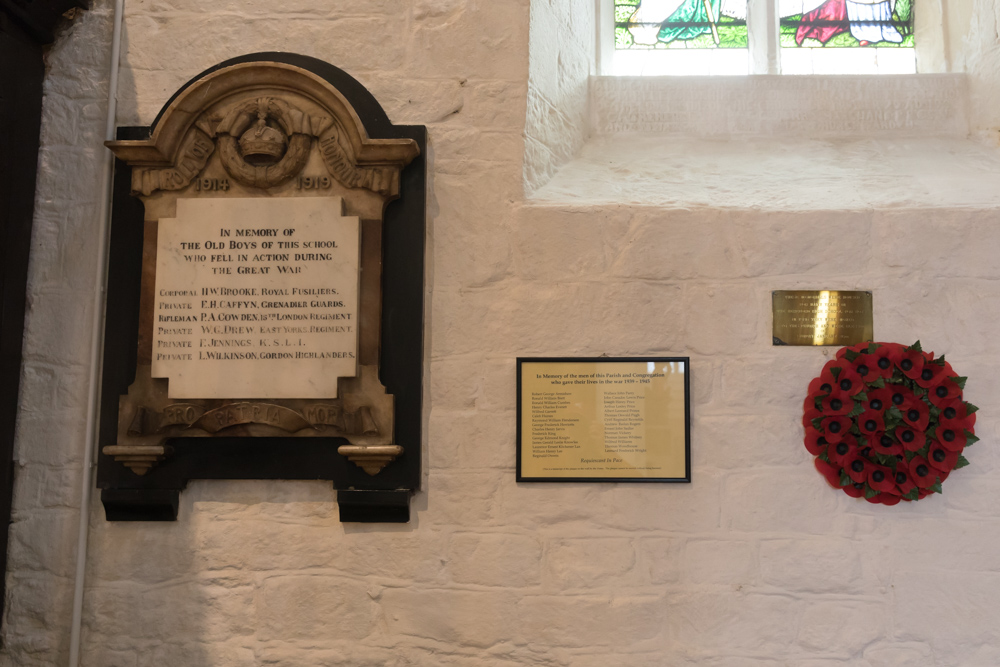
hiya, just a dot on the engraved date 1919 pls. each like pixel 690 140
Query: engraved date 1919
pixel 313 182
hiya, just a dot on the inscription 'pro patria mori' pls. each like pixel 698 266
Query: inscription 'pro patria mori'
pixel 256 298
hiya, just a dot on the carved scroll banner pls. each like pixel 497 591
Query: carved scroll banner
pixel 251 288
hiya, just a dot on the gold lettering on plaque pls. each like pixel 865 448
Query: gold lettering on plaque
pixel 821 317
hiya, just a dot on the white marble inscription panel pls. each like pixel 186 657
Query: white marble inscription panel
pixel 256 298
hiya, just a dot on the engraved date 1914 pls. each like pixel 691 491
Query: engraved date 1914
pixel 210 184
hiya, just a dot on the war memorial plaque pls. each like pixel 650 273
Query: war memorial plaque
pixel 603 419
pixel 256 299
pixel 821 317
pixel 268 291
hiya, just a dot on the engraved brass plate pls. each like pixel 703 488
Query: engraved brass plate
pixel 821 317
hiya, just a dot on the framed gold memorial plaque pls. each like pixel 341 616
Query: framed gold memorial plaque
pixel 603 419
pixel 265 297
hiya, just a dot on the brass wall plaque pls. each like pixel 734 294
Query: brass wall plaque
pixel 821 317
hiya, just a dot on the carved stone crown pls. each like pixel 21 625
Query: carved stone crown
pixel 262 141
pixel 262 133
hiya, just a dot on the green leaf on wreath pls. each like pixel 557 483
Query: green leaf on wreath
pixel 877 384
pixel 919 391
pixel 816 421
pixel 844 479
pixel 909 456
pixel 861 396
pixel 939 361
pixel 835 371
pixel 970 438
pixel 851 355
pixel 970 408
pixel 913 494
pixel 823 457
pixel 924 450
pixel 931 432
pixel 960 381
pixel 870 492
pixel 856 410
pixel 818 403
pixel 872 347
pixel 854 429
pixel 935 412
pixel 886 460
pixel 936 487
pixel 962 462
pixel 916 346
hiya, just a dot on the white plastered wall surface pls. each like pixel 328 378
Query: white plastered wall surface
pixel 756 562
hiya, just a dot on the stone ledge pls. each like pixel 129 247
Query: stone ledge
pixel 833 106
pixel 789 174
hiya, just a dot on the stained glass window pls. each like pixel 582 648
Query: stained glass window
pixel 680 24
pixel 681 37
pixel 813 36
pixel 833 36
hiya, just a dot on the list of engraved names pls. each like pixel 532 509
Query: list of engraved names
pixel 619 418
pixel 256 298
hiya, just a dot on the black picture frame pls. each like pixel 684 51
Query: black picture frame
pixel 686 361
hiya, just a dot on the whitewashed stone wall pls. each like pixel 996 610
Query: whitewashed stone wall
pixel 562 48
pixel 756 562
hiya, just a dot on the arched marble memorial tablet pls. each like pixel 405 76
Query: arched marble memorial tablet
pixel 281 223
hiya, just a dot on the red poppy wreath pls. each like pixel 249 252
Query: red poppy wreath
pixel 887 422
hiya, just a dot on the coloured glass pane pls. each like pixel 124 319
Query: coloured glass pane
pixel 680 24
pixel 846 23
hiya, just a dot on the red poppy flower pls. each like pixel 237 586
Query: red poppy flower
pixel 895 352
pixel 835 428
pixel 857 468
pixel 910 439
pixel 955 415
pixel 951 439
pixel 923 493
pixel 848 380
pixel 831 473
pixel 888 499
pixel 857 348
pixel 885 444
pixel 817 389
pixel 823 384
pixel 878 399
pixel 862 366
pixel 945 391
pixel 911 363
pixel 870 422
pixel 880 362
pixel 815 442
pixel 808 415
pixel 839 402
pixel 931 375
pixel 901 476
pixel 841 453
pixel 880 478
pixel 854 490
pixel 922 473
pixel 900 396
pixel 916 413
pixel 942 459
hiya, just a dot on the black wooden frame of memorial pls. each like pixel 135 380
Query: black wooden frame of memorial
pixel 361 497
